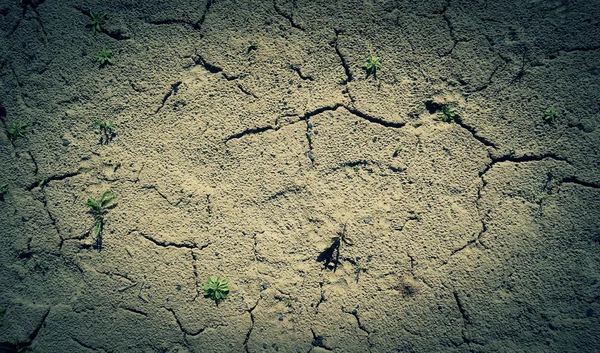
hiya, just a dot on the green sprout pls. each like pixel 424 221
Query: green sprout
pixel 252 45
pixel 216 289
pixel 99 209
pixel 108 130
pixel 16 130
pixel 397 151
pixel 105 56
pixel 550 115
pixel 3 189
pixel 371 65
pixel 447 113
pixel 97 20
pixel 341 237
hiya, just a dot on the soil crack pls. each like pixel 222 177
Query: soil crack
pixel 343 61
pixel 172 91
pixel 360 325
pixel 289 17
pixel 251 131
pixel 167 244
pixel 299 72
pixel 250 311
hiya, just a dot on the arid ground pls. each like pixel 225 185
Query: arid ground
pixel 248 133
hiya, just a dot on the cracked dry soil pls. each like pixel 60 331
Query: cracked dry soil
pixel 479 235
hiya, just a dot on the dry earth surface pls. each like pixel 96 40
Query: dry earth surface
pixel 480 235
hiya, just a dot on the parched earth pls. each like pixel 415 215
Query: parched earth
pixel 248 133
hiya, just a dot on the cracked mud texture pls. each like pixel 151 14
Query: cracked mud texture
pixel 479 235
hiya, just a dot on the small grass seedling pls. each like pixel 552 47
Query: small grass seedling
pixel 397 151
pixel 252 45
pixel 97 20
pixel 447 113
pixel 216 289
pixel 3 190
pixel 550 115
pixel 108 131
pixel 16 130
pixel 371 65
pixel 342 237
pixel 104 57
pixel 99 209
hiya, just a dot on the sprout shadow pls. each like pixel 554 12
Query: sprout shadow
pixel 331 255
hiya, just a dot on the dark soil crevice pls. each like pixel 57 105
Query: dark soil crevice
pixel 172 91
pixel 135 311
pixel 195 259
pixel 318 341
pixel 373 119
pixel 250 311
pixel 35 164
pixel 213 69
pixel 299 72
pixel 465 317
pixel 167 244
pixel 574 180
pixel 173 21
pixel 153 187
pixel 473 132
pixel 343 61
pixel 251 131
pixel 44 182
pixel 289 17
pixel 361 326
pixel 245 90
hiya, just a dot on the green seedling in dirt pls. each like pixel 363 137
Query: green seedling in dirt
pixel 3 189
pixel 108 130
pixel 288 303
pixel 216 289
pixel 252 45
pixel 341 237
pixel 43 181
pixel 16 130
pixel 99 209
pixel 371 65
pixel 550 115
pixel 42 267
pixel 97 20
pixel 447 113
pixel 397 151
pixel 105 56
